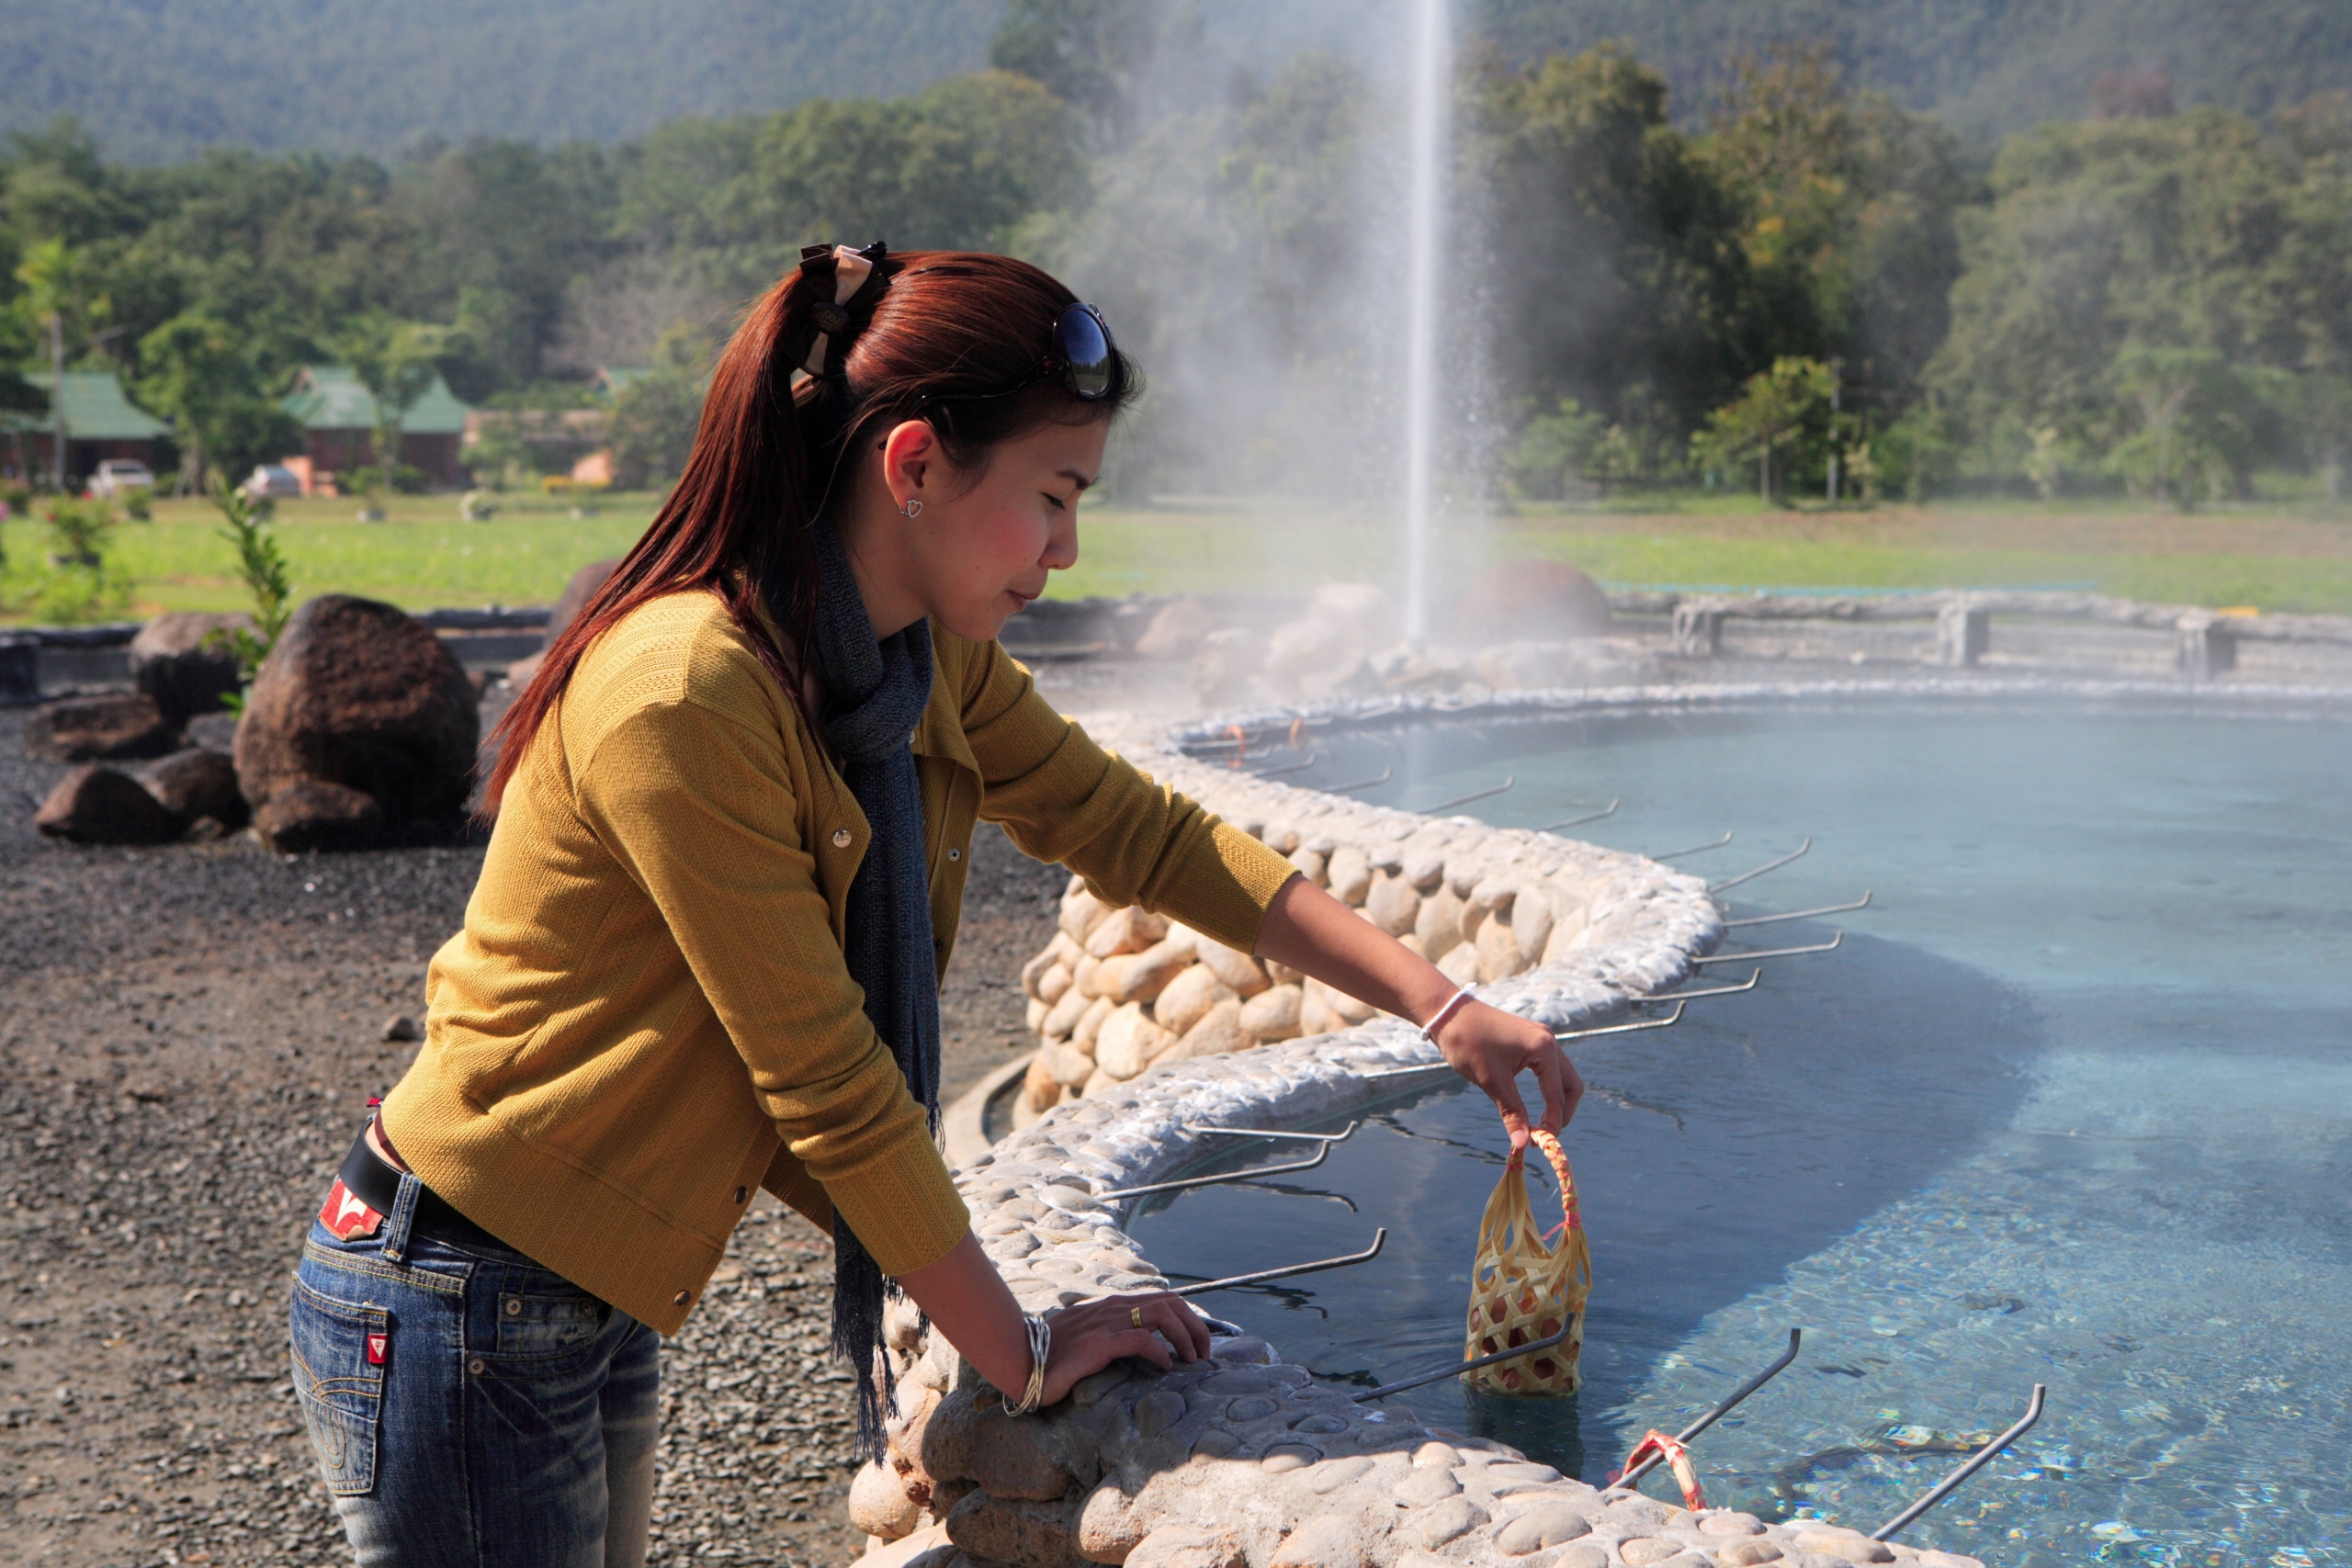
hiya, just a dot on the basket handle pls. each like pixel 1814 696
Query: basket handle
pixel 1550 1144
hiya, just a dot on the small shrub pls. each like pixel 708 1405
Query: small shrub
pixel 262 567
pixel 79 529
pixel 65 594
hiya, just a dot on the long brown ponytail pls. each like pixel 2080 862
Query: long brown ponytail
pixel 943 331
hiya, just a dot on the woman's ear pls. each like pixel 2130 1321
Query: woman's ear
pixel 910 455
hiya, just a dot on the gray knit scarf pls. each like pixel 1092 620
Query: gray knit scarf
pixel 875 690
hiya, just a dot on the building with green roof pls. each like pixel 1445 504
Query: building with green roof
pixel 339 415
pixel 100 423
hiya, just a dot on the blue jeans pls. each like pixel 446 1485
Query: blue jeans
pixel 470 1409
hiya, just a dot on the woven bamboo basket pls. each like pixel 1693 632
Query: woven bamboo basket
pixel 1522 1290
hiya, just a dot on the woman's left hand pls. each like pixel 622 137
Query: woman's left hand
pixel 1491 1048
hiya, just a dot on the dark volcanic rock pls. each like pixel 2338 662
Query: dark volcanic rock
pixel 1544 600
pixel 312 814
pixel 358 694
pixel 186 662
pixel 99 805
pixel 92 729
pixel 197 782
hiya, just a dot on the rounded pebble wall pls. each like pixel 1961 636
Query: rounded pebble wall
pixel 1243 1461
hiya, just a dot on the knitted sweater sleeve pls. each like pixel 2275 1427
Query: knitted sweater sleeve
pixel 1061 797
pixel 698 810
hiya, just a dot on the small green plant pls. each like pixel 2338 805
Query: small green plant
pixel 80 529
pixel 262 567
pixel 139 504
pixel 67 594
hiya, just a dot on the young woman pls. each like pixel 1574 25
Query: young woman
pixel 703 958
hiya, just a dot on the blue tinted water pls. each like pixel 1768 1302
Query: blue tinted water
pixel 2073 1105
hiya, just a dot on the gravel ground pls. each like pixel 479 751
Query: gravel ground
pixel 188 1036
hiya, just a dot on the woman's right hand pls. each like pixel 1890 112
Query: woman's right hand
pixel 967 1300
pixel 1156 1326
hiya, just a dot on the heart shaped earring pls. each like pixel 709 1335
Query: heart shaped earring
pixel 912 508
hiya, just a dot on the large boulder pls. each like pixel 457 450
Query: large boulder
pixel 1537 600
pixel 105 729
pixel 359 695
pixel 188 661
pixel 568 605
pixel 99 805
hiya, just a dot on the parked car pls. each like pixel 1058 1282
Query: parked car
pixel 270 480
pixel 121 476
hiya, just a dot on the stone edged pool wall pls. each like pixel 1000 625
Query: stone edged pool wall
pixel 1243 1461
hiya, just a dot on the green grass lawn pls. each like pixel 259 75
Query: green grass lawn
pixel 2277 558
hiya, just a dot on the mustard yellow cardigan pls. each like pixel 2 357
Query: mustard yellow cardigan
pixel 647 1015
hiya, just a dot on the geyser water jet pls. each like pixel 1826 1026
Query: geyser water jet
pixel 1431 75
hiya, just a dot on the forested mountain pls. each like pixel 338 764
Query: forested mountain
pixel 1803 275
pixel 1988 68
pixel 158 79
pixel 161 78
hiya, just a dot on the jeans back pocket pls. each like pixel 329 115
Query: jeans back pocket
pixel 341 1349
pixel 548 1322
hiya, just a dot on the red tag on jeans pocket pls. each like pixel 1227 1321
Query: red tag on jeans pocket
pixel 345 1215
pixel 376 1345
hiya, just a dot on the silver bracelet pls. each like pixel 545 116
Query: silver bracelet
pixel 1041 1348
pixel 1428 1030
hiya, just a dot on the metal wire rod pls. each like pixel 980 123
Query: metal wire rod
pixel 1340 1137
pixel 1312 758
pixel 1768 866
pixel 1668 1022
pixel 1508 780
pixel 1458 1367
pixel 1977 1461
pixel 1379 1240
pixel 1862 903
pixel 1322 1152
pixel 1695 849
pixel 1747 985
pixel 1608 810
pixel 1771 952
pixel 1405 1072
pixel 1796 1336
pixel 1360 783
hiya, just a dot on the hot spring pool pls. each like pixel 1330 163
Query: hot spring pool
pixel 2073 1105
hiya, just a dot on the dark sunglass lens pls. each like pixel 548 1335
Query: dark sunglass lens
pixel 1085 348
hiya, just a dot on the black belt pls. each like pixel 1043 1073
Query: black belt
pixel 372 1179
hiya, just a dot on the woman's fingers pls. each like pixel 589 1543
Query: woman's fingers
pixel 1159 1327
pixel 1562 1087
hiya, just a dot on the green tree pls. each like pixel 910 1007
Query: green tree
pixel 1089 53
pixel 1847 207
pixel 61 295
pixel 1784 408
pixel 1626 285
pixel 197 375
pixel 1557 450
pixel 2139 284
pixel 395 361
pixel 655 417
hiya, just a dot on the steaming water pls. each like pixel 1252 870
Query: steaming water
pixel 1431 65
pixel 2069 1106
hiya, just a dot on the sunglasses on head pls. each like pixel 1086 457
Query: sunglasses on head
pixel 1082 356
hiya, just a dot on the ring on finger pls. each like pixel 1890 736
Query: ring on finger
pixel 1135 1317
